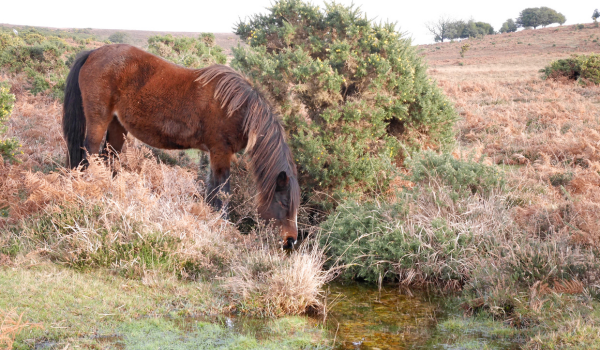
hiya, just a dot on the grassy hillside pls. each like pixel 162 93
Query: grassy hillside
pixel 509 56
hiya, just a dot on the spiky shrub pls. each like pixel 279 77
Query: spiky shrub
pixel 585 69
pixel 189 52
pixel 8 146
pixel 433 230
pixel 354 96
pixel 464 49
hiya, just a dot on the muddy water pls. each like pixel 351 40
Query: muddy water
pixel 364 317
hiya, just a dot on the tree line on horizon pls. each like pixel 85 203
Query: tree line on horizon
pixel 447 28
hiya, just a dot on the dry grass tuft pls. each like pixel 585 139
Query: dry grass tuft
pixel 271 282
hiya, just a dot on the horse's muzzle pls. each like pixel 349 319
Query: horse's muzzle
pixel 289 243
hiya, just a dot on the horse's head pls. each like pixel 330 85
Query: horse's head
pixel 283 208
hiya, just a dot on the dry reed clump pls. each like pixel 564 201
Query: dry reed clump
pixel 456 235
pixel 271 282
pixel 11 324
pixel 148 218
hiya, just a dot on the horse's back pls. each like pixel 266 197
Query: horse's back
pixel 159 102
pixel 151 98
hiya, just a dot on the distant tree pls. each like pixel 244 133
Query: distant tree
pixel 539 16
pixel 484 28
pixel 118 37
pixel 550 16
pixel 596 15
pixel 440 29
pixel 456 29
pixel 509 26
pixel 462 30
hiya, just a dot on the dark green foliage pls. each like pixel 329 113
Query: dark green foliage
pixel 118 38
pixel 585 69
pixel 509 26
pixel 354 96
pixel 8 146
pixel 188 52
pixel 595 15
pixel 451 29
pixel 539 16
pixel 375 238
pixel 470 29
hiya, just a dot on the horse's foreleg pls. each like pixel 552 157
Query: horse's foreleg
pixel 218 180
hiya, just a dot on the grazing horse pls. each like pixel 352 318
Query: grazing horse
pixel 117 89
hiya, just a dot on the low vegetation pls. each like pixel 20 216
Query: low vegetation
pixel 585 69
pixel 439 223
pixel 188 52
pixel 43 58
pixel 8 146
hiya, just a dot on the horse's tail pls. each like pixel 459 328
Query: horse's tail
pixel 73 118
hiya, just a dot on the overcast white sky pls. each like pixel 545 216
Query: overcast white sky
pixel 220 16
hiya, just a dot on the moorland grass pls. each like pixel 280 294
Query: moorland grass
pixel 99 309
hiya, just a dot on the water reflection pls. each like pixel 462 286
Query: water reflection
pixel 364 317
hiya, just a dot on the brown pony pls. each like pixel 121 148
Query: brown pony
pixel 117 89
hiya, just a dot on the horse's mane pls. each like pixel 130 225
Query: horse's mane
pixel 269 153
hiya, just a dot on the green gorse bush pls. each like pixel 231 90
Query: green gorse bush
pixel 353 95
pixel 189 52
pixel 585 69
pixel 44 58
pixel 434 231
pixel 8 146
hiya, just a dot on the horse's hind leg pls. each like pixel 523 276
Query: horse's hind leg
pixel 218 179
pixel 95 130
pixel 115 137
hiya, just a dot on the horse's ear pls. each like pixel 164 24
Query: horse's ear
pixel 283 181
